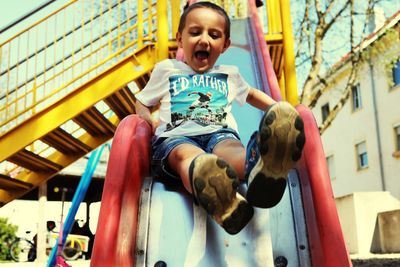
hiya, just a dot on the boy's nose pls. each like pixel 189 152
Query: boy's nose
pixel 203 39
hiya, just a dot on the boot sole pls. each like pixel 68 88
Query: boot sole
pixel 215 185
pixel 280 141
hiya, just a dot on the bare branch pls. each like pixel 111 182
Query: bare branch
pixel 316 62
pixel 320 49
pixel 319 12
pixel 303 28
pixel 339 14
pixel 355 61
pixel 305 60
pixel 317 55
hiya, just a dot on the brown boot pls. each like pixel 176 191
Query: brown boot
pixel 280 143
pixel 215 185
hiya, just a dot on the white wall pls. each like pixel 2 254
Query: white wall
pixel 350 128
pixel 358 213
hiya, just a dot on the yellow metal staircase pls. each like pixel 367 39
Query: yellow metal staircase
pixel 69 79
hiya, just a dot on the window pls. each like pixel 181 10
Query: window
pixel 331 167
pixel 396 153
pixel 397 135
pixel 325 111
pixel 356 95
pixel 362 156
pixel 396 73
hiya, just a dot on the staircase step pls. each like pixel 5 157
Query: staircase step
pixel 122 103
pixel 142 80
pixel 65 143
pixel 8 183
pixel 34 162
pixel 95 123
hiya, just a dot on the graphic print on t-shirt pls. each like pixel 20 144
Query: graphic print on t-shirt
pixel 198 97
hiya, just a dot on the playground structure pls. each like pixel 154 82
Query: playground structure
pixel 24 249
pixel 70 79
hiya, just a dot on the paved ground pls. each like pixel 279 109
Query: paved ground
pixel 77 263
pixel 376 260
pixel 367 260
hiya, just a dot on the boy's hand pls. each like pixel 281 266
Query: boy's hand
pixel 145 113
pixel 259 99
pixel 154 124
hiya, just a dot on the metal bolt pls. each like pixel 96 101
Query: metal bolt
pixel 160 264
pixel 281 261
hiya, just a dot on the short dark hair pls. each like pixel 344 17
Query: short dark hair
pixel 205 4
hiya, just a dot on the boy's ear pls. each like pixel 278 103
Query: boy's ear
pixel 226 44
pixel 178 37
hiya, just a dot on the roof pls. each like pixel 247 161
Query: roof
pixel 389 23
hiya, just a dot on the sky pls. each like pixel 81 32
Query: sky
pixel 11 10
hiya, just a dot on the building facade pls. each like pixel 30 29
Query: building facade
pixel 362 144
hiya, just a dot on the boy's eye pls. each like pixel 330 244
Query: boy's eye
pixel 194 33
pixel 215 35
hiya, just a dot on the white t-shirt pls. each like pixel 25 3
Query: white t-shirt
pixel 193 103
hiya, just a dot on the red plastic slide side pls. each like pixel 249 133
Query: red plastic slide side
pixel 325 236
pixel 127 166
pixel 266 65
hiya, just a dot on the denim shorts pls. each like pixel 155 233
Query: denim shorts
pixel 161 147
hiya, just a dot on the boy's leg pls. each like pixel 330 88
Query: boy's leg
pixel 234 153
pixel 215 185
pixel 279 144
pixel 180 159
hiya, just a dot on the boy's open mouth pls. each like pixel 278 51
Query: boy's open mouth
pixel 201 55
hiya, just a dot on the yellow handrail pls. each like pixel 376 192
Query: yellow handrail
pixel 288 54
pixel 70 46
pixel 55 55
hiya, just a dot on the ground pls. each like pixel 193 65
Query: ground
pixel 387 261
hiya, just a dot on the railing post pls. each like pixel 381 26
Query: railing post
pixel 162 30
pixel 175 15
pixel 273 17
pixel 289 67
pixel 140 22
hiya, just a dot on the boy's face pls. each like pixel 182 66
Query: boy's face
pixel 203 38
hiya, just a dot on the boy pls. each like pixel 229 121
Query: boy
pixel 196 138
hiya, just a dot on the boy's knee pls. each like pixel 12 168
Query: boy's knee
pixel 183 153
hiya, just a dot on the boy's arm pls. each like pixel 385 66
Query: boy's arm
pixel 259 99
pixel 145 113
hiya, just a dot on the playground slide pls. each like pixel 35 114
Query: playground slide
pixel 124 239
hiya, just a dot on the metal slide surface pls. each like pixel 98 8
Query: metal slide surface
pixel 170 229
